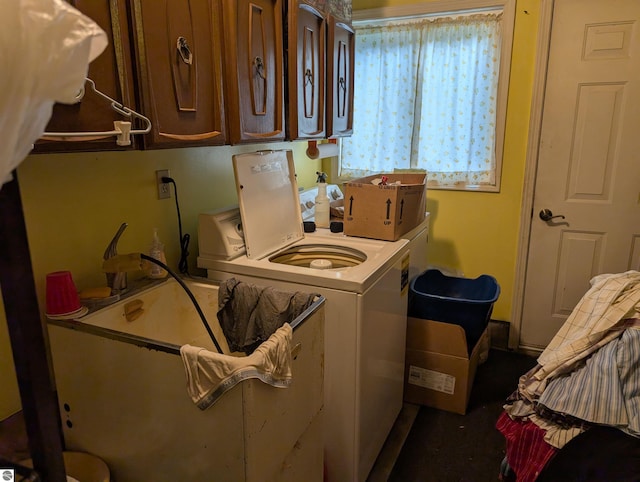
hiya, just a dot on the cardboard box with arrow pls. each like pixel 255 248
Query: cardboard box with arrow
pixel 384 206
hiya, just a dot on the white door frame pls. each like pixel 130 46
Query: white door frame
pixel 533 144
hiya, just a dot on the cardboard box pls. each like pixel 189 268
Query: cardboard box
pixel 439 371
pixel 384 212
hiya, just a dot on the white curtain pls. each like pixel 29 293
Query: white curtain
pixel 425 98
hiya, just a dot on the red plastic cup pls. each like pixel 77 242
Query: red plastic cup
pixel 62 295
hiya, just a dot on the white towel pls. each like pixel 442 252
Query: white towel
pixel 210 375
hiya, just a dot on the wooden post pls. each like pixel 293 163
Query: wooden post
pixel 29 340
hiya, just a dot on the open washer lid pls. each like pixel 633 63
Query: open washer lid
pixel 268 200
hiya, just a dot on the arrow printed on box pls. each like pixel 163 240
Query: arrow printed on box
pixel 388 208
pixel 351 206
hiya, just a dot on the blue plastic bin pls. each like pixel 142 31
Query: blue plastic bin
pixel 463 301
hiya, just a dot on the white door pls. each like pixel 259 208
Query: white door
pixel 588 161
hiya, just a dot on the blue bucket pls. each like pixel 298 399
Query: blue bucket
pixel 449 299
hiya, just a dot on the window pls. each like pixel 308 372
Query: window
pixel 428 96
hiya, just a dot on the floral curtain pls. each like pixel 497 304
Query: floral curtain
pixel 425 98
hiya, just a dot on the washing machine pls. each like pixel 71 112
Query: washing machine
pixel 364 281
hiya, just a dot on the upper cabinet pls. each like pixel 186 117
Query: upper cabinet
pixel 320 49
pixel 178 47
pixel 340 79
pixel 112 73
pixel 306 55
pixel 214 72
pixel 254 65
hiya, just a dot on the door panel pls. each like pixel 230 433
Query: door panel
pixel 307 45
pixel 588 171
pixel 254 70
pixel 579 252
pixel 593 149
pixel 340 78
pixel 180 71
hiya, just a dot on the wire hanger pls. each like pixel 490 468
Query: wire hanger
pixel 121 129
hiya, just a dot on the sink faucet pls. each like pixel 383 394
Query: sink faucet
pixel 116 281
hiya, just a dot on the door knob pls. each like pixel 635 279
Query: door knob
pixel 547 215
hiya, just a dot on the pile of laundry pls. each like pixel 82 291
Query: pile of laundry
pixel 588 376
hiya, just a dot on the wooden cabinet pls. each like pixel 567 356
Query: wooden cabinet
pixel 205 82
pixel 306 55
pixel 175 51
pixel 254 70
pixel 321 45
pixel 340 78
pixel 178 49
pixel 112 73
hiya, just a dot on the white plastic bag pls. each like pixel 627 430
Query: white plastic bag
pixel 45 50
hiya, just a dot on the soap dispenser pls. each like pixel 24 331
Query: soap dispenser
pixel 322 208
pixel 156 251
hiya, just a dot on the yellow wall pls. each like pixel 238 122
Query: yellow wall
pixel 74 203
pixel 476 233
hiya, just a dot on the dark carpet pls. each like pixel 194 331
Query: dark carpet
pixel 447 447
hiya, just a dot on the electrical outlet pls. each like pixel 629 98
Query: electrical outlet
pixel 164 190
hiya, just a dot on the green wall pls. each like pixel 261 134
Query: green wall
pixel 74 203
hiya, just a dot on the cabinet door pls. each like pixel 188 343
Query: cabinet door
pixel 306 72
pixel 254 70
pixel 112 73
pixel 179 67
pixel 340 79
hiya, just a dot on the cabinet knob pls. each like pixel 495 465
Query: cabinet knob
pixel 342 83
pixel 308 77
pixel 259 64
pixel 184 50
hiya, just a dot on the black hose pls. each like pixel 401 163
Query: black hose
pixel 183 264
pixel 188 291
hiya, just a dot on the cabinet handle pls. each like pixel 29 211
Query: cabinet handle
pixel 184 50
pixel 259 64
pixel 342 84
pixel 308 77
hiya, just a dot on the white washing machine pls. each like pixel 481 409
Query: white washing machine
pixel 365 283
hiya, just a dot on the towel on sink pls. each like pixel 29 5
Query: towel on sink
pixel 210 374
